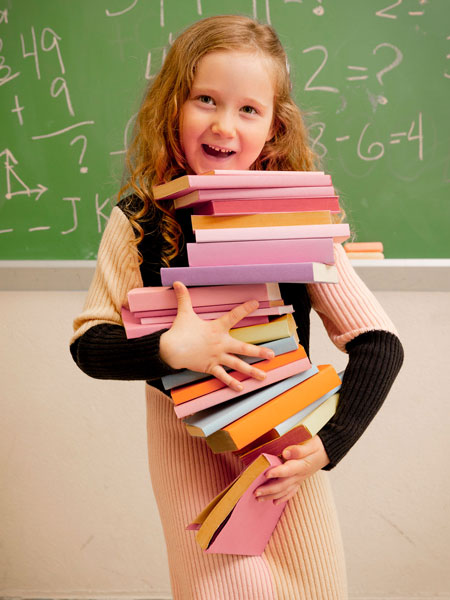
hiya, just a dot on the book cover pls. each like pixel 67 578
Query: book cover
pixel 207 422
pixel 365 255
pixel 258 313
pixel 194 390
pixel 249 385
pixel 254 424
pixel 280 327
pixel 206 195
pixel 319 217
pixel 338 231
pixel 363 247
pixel 261 252
pixel 134 328
pixel 235 522
pixel 308 427
pixel 152 297
pixel 308 272
pixel 267 205
pixel 186 183
pixel 159 312
pixel 187 376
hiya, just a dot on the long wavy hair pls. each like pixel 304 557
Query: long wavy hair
pixel 155 155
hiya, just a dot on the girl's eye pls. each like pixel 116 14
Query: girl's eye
pixel 206 99
pixel 249 110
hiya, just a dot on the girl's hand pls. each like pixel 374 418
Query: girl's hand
pixel 206 346
pixel 302 461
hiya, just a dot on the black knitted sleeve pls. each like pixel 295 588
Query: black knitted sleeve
pixel 375 358
pixel 104 352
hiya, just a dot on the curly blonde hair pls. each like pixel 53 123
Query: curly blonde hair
pixel 155 155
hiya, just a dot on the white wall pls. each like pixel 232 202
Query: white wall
pixel 77 514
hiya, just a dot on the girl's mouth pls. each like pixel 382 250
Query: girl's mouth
pixel 217 152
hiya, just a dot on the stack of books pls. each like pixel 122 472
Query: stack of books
pixel 252 231
pixel 257 227
pixel 364 250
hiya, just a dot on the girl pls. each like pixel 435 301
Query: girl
pixel 222 101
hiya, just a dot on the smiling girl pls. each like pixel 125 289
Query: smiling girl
pixel 222 101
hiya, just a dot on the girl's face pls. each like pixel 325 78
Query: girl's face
pixel 228 116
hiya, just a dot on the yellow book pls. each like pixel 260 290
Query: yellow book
pixel 281 327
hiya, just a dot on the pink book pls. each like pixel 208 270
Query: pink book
pixel 245 322
pixel 247 528
pixel 188 183
pixel 249 385
pixel 271 193
pixel 135 329
pixel 259 312
pixel 261 252
pixel 146 298
pixel 308 272
pixel 201 309
pixel 338 231
pixel 253 206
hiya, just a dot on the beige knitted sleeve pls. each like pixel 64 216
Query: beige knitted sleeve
pixel 116 273
pixel 347 308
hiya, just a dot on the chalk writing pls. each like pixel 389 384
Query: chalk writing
pixel 11 176
pixel 8 76
pixel 83 139
pixel 73 202
pixel 18 109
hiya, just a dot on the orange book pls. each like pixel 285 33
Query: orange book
pixel 363 247
pixel 257 422
pixel 189 392
pixel 318 217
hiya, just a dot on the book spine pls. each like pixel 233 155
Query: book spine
pixel 254 316
pixel 164 297
pixel 168 320
pixel 211 420
pixel 190 183
pixel 339 232
pixel 249 427
pixel 322 217
pixel 195 390
pixel 261 252
pixel 249 385
pixel 203 309
pixel 237 207
pixel 277 272
pixel 206 195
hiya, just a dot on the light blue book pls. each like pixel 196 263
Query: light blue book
pixel 186 376
pixel 293 421
pixel 210 420
pixel 296 419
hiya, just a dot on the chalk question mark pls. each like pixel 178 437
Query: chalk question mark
pixel 319 10
pixel 83 138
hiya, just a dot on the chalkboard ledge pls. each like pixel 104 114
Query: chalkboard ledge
pixel 75 275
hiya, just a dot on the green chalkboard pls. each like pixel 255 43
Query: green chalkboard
pixel 372 75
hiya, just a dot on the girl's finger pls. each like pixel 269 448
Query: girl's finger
pixel 219 372
pixel 183 298
pixel 241 366
pixel 238 313
pixel 244 349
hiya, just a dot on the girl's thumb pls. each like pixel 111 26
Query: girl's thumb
pixel 182 295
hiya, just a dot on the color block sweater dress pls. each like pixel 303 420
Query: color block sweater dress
pixel 304 557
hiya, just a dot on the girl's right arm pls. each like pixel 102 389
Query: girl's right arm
pixel 101 349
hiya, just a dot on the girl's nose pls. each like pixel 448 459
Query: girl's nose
pixel 223 125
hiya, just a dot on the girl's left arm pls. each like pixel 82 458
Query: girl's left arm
pixel 358 325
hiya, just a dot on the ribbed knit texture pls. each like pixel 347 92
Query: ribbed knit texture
pixel 304 557
pixel 347 308
pixel 375 360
